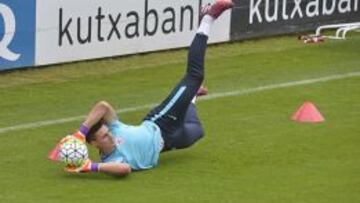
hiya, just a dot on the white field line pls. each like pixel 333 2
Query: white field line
pixel 208 97
pixel 280 85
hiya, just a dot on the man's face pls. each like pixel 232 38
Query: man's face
pixel 103 139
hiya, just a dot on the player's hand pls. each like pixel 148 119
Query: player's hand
pixel 54 153
pixel 86 167
pixel 65 139
pixel 78 135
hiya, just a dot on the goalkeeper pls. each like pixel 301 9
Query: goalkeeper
pixel 171 125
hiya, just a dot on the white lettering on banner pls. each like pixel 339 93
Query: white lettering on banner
pixel 314 6
pixel 254 9
pixel 344 6
pixel 274 17
pixel 330 11
pixel 284 14
pixel 299 9
pixel 117 31
pixel 69 31
pixel 9 31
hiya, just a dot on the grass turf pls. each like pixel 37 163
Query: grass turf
pixel 252 152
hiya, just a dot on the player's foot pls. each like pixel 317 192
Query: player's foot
pixel 215 9
pixel 202 91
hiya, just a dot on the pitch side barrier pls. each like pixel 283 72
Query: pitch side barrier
pixel 341 30
pixel 259 18
pixel 42 32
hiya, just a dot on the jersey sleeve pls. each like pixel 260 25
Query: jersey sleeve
pixel 114 127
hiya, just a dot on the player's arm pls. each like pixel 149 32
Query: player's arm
pixel 101 110
pixel 114 168
pixel 120 169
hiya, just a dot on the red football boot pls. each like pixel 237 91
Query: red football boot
pixel 215 9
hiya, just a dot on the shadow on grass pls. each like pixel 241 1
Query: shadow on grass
pixel 176 157
pixel 93 176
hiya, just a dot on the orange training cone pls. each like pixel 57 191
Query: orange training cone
pixel 308 113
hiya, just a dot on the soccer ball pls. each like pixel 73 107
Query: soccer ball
pixel 73 153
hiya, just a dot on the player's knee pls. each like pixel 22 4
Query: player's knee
pixel 197 132
pixel 201 133
pixel 195 138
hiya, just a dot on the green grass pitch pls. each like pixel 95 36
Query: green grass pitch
pixel 252 151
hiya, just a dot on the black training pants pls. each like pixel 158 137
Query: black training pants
pixel 177 119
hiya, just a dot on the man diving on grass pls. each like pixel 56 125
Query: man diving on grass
pixel 173 124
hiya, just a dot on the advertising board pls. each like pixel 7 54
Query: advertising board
pixel 17 33
pixel 70 30
pixel 259 18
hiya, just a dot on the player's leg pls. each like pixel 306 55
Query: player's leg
pixel 189 133
pixel 169 115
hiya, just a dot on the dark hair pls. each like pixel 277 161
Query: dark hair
pixel 91 135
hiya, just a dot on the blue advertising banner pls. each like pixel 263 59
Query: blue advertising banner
pixel 17 33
